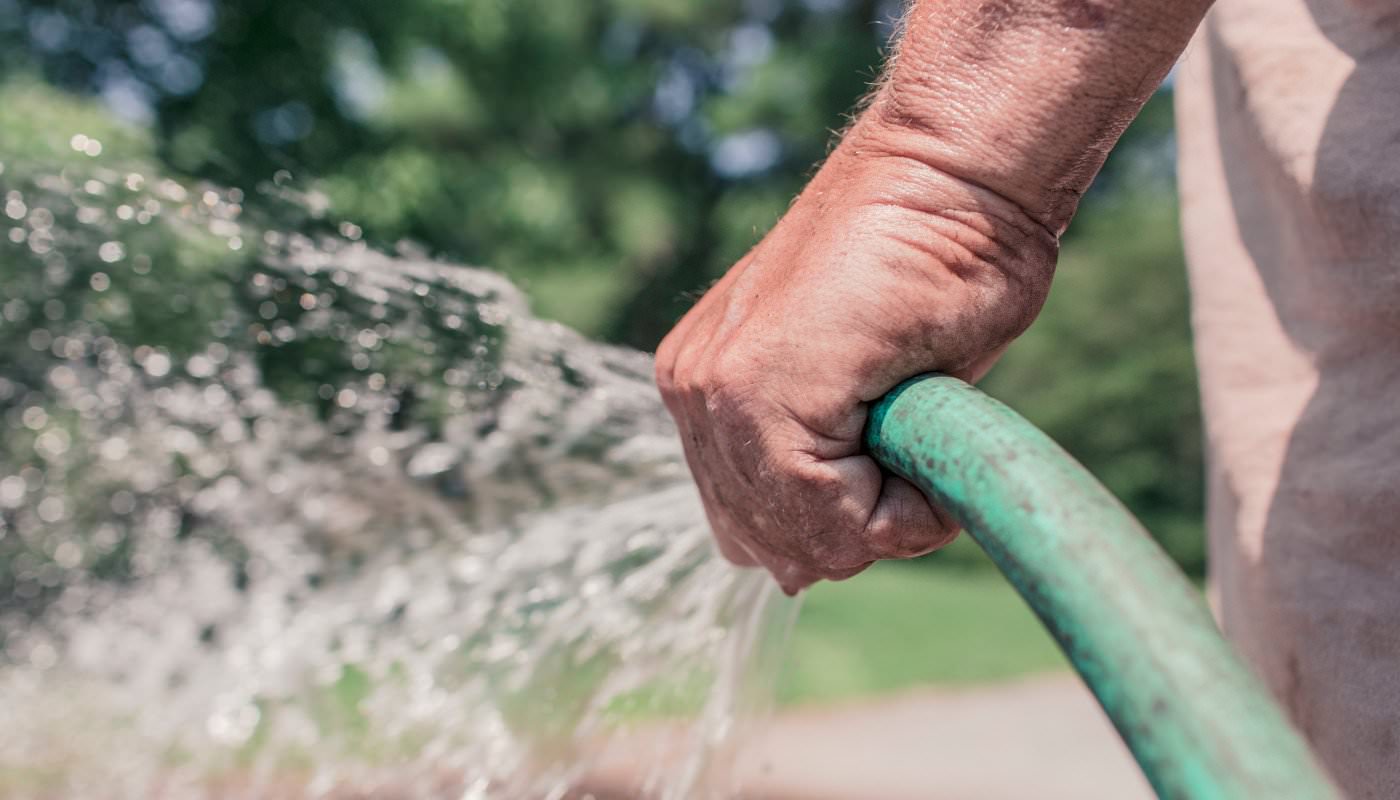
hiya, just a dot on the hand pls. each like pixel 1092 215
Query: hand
pixel 885 267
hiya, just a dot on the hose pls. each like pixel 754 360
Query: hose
pixel 1197 721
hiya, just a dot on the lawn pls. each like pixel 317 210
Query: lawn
pixel 901 625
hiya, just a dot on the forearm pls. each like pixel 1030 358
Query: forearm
pixel 1023 98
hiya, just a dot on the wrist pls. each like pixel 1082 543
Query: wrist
pixel 882 166
pixel 977 149
pixel 1025 99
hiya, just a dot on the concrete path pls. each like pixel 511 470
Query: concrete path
pixel 1043 738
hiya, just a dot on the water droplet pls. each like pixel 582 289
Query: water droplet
pixel 52 509
pixel 233 722
pixel 12 491
pixel 432 459
pixel 114 449
pixel 157 364
pixel 63 377
pixel 42 656
pixel 34 418
pixel 68 554
pixel 199 366
pixel 111 252
pixel 52 444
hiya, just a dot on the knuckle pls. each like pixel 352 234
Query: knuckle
pixel 816 488
pixel 664 366
pixel 683 378
pixel 710 379
pixel 727 386
pixel 730 363
pixel 665 373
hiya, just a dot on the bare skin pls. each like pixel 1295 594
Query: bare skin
pixel 926 242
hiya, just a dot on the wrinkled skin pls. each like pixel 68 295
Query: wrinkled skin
pixel 885 267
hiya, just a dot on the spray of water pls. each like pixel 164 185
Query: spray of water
pixel 285 516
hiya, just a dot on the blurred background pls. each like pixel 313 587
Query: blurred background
pixel 613 157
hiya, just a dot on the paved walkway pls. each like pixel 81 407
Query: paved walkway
pixel 1043 738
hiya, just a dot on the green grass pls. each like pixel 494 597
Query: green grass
pixel 903 625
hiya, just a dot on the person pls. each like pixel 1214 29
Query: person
pixel 927 241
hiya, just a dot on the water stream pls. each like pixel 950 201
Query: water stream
pixel 285 516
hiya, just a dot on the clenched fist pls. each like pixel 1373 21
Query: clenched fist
pixel 885 267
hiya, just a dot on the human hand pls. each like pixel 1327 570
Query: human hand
pixel 885 267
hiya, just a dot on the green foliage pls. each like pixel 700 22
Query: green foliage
pixel 37 125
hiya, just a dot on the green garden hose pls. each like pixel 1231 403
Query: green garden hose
pixel 1200 725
